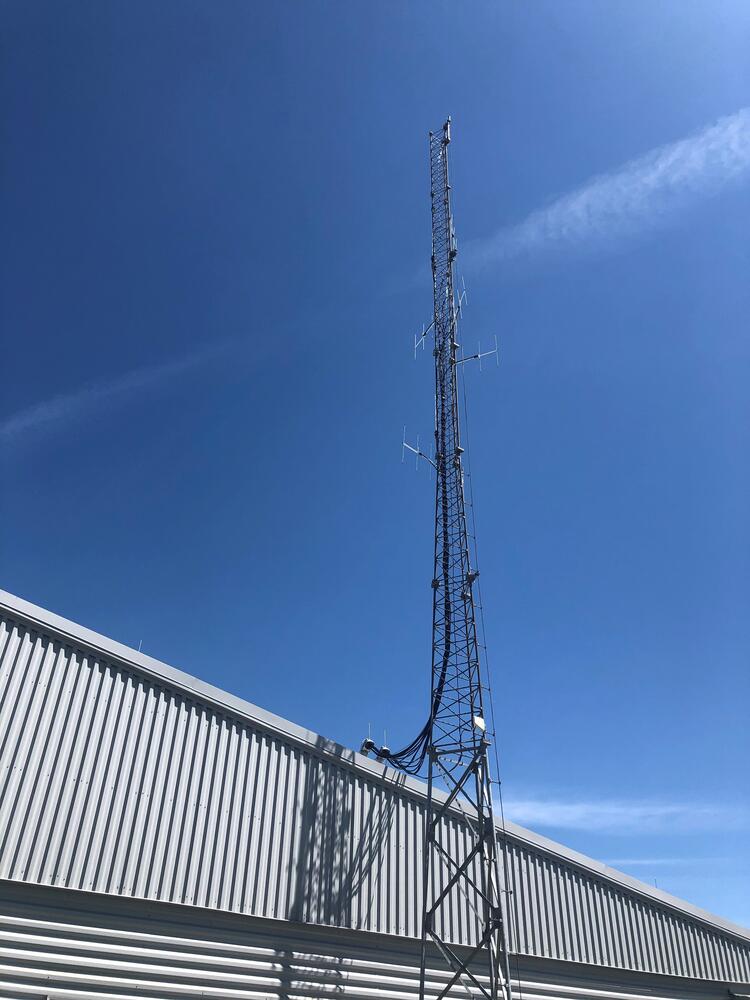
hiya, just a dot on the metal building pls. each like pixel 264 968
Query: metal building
pixel 162 838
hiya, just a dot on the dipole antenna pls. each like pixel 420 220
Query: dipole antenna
pixel 455 740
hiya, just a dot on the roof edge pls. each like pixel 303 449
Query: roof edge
pixel 69 631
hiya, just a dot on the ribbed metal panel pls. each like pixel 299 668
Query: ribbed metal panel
pixel 55 945
pixel 113 782
pixel 561 912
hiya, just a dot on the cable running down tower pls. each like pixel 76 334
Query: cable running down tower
pixel 454 741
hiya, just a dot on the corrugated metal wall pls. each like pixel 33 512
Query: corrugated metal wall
pixel 55 943
pixel 563 912
pixel 112 782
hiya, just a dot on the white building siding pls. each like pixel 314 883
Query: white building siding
pixel 115 779
pixel 66 945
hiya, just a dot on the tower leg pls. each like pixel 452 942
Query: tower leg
pixel 426 872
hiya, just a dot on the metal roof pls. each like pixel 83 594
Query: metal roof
pixel 122 775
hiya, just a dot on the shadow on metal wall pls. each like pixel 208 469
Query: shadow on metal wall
pixel 336 880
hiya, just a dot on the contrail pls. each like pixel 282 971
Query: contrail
pixel 645 194
pixel 622 816
pixel 51 412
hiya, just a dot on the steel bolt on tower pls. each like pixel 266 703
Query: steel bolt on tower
pixel 455 740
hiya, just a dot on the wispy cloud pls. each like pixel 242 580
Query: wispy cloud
pixel 644 194
pixel 50 413
pixel 618 816
pixel 690 862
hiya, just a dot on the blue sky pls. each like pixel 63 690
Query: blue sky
pixel 216 226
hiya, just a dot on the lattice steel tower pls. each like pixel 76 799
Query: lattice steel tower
pixel 456 738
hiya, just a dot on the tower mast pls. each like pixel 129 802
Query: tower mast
pixel 457 748
pixel 455 739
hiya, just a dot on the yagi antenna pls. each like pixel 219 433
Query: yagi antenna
pixel 481 354
pixel 462 296
pixel 415 450
pixel 419 340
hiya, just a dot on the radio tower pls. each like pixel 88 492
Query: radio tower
pixel 455 740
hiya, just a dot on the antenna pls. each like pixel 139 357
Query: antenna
pixel 479 355
pixel 454 742
pixel 419 341
pixel 462 297
pixel 405 446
